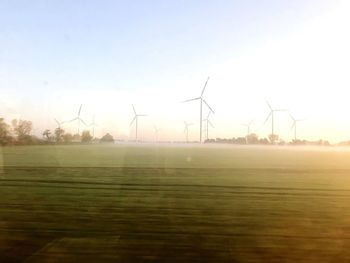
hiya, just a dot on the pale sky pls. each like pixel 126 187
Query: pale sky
pixel 108 55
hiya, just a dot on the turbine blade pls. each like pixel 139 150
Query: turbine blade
pixel 291 116
pixel 191 100
pixel 80 110
pixel 206 103
pixel 58 123
pixel 134 109
pixel 133 120
pixel 211 124
pixel 268 104
pixel 73 119
pixel 268 117
pixel 280 110
pixel 291 128
pixel 205 85
pixel 82 121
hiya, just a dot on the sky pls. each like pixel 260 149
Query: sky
pixel 108 55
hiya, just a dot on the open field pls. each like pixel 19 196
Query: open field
pixel 174 204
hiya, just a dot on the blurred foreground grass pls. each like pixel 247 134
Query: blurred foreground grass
pixel 174 204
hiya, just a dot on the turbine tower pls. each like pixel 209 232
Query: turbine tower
pixel 78 119
pixel 201 100
pixel 272 115
pixel 208 122
pixel 294 126
pixel 136 119
pixel 93 125
pixel 186 129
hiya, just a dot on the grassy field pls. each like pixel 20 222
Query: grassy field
pixel 174 204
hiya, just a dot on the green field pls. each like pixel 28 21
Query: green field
pixel 128 203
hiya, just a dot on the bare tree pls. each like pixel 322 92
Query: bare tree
pixel 59 133
pixel 86 136
pixel 46 134
pixel 22 129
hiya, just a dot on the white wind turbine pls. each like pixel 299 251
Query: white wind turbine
pixel 156 132
pixel 78 119
pixel 248 125
pixel 93 125
pixel 59 123
pixel 136 119
pixel 207 123
pixel 272 115
pixel 294 126
pixel 201 100
pixel 186 129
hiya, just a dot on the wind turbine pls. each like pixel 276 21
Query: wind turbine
pixel 93 125
pixel 186 129
pixel 156 132
pixel 248 129
pixel 295 121
pixel 208 122
pixel 201 99
pixel 272 115
pixel 59 123
pixel 136 119
pixel 78 119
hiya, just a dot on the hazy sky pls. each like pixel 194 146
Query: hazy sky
pixel 55 55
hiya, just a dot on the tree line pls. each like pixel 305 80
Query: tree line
pixel 254 139
pixel 19 132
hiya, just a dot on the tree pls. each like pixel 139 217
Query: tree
pixel 46 134
pixel 86 136
pixel 240 140
pixel 5 138
pixel 76 137
pixel 67 137
pixel 273 138
pixel 22 129
pixel 59 133
pixel 252 139
pixel 264 141
pixel 107 138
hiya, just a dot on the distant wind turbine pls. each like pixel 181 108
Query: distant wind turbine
pixel 59 123
pixel 186 129
pixel 272 115
pixel 248 129
pixel 294 126
pixel 78 119
pixel 201 99
pixel 208 122
pixel 136 119
pixel 93 125
pixel 156 132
